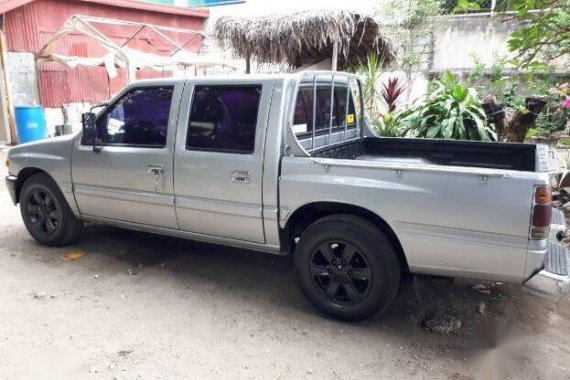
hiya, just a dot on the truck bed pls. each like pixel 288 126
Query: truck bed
pixel 518 157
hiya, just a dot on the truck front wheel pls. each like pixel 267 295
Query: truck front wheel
pixel 347 267
pixel 46 214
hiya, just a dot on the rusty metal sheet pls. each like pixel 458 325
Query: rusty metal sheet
pixel 30 26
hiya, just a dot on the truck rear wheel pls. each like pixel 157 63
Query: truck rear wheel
pixel 347 267
pixel 46 214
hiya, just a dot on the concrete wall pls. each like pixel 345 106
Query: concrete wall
pixel 5 137
pixel 24 90
pixel 463 38
pixel 458 43
pixel 23 79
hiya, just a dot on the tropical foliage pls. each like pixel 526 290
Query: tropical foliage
pixel 391 91
pixel 512 85
pixel 544 32
pixel 388 123
pixel 371 71
pixel 451 111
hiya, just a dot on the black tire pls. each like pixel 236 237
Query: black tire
pixel 46 214
pixel 356 277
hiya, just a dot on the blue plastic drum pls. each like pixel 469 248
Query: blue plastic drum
pixel 31 123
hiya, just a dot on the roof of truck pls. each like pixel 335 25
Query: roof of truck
pixel 307 76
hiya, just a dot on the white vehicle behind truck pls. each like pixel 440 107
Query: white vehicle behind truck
pixel 287 164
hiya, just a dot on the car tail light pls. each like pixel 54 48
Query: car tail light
pixel 541 212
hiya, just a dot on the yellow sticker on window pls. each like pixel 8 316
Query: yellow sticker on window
pixel 350 118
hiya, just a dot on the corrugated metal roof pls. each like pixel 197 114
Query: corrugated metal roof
pixel 30 26
pixel 22 29
pixel 9 5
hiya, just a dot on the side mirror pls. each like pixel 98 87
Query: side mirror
pixel 88 123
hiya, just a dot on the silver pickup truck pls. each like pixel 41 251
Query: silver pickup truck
pixel 287 164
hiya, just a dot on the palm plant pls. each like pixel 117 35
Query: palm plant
pixel 371 71
pixel 451 111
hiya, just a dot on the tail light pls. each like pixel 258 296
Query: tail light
pixel 541 212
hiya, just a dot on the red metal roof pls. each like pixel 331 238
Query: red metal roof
pixel 30 26
pixel 8 5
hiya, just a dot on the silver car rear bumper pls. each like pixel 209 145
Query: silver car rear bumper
pixel 548 284
pixel 554 279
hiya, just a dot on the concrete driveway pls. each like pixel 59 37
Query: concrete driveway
pixel 141 306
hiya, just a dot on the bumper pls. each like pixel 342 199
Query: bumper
pixel 11 185
pixel 548 284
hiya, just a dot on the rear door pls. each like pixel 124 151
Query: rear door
pixel 130 178
pixel 219 158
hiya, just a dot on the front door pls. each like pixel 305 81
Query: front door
pixel 219 159
pixel 130 177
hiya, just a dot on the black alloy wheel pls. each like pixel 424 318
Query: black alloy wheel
pixel 347 267
pixel 341 272
pixel 42 211
pixel 46 213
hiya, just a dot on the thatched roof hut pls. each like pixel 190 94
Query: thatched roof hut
pixel 304 38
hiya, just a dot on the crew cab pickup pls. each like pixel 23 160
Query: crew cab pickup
pixel 287 164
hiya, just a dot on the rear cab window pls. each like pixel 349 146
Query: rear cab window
pixel 309 111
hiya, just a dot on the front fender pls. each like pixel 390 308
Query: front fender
pixel 51 156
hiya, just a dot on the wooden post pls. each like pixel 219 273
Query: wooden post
pixel 335 56
pixel 5 91
pixel 248 64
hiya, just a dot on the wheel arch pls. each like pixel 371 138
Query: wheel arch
pixel 309 213
pixel 24 175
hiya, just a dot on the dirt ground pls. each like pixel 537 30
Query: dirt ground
pixel 140 306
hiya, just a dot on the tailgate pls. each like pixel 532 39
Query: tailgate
pixel 554 279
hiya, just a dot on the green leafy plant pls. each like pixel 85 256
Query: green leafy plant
pixel 565 141
pixel 543 34
pixel 495 80
pixel 466 6
pixel 511 85
pixel 371 70
pixel 388 125
pixel 451 111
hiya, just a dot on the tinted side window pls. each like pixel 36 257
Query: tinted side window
pixel 223 118
pixel 139 118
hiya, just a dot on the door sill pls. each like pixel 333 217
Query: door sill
pixel 187 235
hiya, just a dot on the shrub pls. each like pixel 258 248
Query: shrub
pixel 388 125
pixel 391 92
pixel 451 111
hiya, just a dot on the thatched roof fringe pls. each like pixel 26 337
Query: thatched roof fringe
pixel 303 38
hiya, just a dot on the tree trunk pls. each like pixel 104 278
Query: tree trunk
pixel 513 124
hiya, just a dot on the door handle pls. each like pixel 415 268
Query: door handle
pixel 155 169
pixel 241 176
